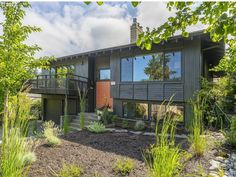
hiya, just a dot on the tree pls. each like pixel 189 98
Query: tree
pixel 219 17
pixel 17 59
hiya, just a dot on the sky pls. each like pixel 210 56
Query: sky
pixel 74 27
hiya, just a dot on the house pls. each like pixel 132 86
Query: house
pixel 133 82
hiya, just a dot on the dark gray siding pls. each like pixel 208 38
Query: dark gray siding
pixel 159 91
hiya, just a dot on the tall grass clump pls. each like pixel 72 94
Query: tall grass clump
pixel 51 133
pixel 231 134
pixel 164 159
pixel 65 117
pixel 82 96
pixel 15 147
pixel 196 139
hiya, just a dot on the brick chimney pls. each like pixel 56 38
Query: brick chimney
pixel 135 30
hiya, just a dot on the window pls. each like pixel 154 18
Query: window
pixel 157 111
pixel 104 74
pixel 173 66
pixel 135 110
pixel 151 67
pixel 176 111
pixel 126 69
pixel 141 111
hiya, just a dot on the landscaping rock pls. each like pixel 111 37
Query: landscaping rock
pixel 121 131
pixel 214 165
pixel 149 134
pixel 136 132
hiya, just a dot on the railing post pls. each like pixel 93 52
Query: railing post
pixel 46 82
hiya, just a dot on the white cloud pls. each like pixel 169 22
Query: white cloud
pixel 69 28
pixel 78 29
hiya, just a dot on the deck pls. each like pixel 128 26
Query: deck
pixel 58 84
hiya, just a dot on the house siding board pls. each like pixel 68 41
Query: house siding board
pixel 126 91
pixel 140 91
pixel 192 74
pixel 173 90
pixel 155 92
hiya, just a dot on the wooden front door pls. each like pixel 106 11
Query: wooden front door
pixel 103 96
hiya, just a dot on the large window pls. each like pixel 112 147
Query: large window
pixel 155 67
pixel 104 74
pixel 148 67
pixel 127 69
pixel 157 111
pixel 173 66
pixel 135 110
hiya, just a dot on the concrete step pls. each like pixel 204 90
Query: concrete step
pixel 86 120
pixel 72 128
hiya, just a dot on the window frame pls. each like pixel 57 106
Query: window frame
pixel 163 65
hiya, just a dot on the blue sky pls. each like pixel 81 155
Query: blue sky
pixel 73 27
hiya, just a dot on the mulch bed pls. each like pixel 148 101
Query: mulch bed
pixel 96 153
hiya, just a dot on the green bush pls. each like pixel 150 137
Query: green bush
pixel 70 171
pixel 125 124
pixel 106 116
pixel 164 159
pixel 114 119
pixel 29 158
pixel 124 166
pixel 51 132
pixel 139 125
pixel 196 139
pixel 97 127
pixel 231 135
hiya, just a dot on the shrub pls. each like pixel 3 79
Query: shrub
pixel 14 145
pixel 164 159
pixel 139 125
pixel 29 158
pixel 106 116
pixel 198 141
pixel 124 166
pixel 231 135
pixel 51 132
pixel 97 127
pixel 114 119
pixel 70 171
pixel 125 124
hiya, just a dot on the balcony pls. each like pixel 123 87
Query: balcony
pixel 58 84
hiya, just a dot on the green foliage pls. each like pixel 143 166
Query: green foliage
pixel 15 52
pixel 14 147
pixel 82 96
pixel 71 170
pixel 35 110
pixel 231 134
pixel 215 99
pixel 29 158
pixel 139 125
pixel 106 116
pixel 217 16
pixel 124 166
pixel 65 117
pixel 114 119
pixel 164 159
pixel 198 142
pixel 51 132
pixel 125 124
pixel 97 127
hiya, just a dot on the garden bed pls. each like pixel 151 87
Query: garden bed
pixel 93 152
pixel 97 153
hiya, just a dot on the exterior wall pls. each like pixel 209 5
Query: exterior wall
pixel 53 107
pixel 101 63
pixel 158 91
